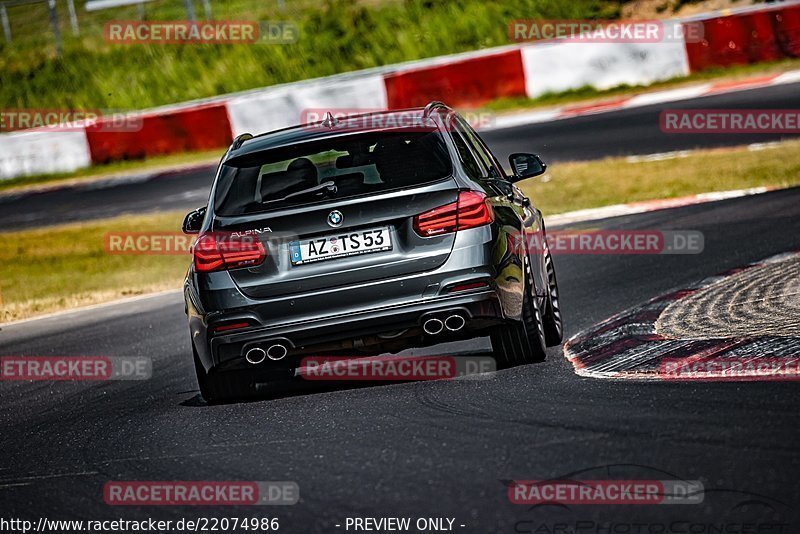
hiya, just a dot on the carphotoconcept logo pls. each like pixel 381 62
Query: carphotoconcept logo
pixel 203 32
pixel 75 368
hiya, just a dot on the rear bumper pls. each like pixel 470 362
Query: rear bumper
pixel 480 309
pixel 226 351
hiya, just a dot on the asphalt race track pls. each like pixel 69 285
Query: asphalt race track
pixel 432 449
pixel 636 130
pixel 624 132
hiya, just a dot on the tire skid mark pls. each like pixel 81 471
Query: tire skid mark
pixel 489 414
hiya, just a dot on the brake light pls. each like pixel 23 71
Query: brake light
pixel 471 210
pixel 219 253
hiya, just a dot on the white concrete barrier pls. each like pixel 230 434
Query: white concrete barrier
pixel 559 66
pixel 284 106
pixel 44 151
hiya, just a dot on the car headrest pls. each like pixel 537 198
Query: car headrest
pixel 400 161
pixel 303 169
pixel 299 175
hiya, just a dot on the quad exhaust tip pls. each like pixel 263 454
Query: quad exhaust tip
pixel 255 355
pixel 277 352
pixel 433 326
pixel 274 352
pixel 454 323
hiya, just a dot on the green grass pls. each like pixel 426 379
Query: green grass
pixel 62 267
pixel 574 186
pixel 335 36
pixel 67 266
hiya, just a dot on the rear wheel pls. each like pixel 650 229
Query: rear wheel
pixel 521 342
pixel 551 319
pixel 220 387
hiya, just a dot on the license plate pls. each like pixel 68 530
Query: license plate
pixel 340 245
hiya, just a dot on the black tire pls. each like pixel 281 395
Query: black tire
pixel 551 319
pixel 220 387
pixel 521 342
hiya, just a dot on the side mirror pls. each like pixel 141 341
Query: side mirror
pixel 526 166
pixel 194 221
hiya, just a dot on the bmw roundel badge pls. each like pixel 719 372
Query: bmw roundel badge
pixel 335 218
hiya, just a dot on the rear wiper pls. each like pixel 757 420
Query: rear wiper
pixel 323 189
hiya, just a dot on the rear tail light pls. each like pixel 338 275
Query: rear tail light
pixel 472 209
pixel 214 252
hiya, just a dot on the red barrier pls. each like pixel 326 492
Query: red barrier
pixel 465 83
pixel 747 38
pixel 787 25
pixel 761 45
pixel 199 128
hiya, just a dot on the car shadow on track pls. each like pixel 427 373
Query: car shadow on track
pixel 301 387
pixel 297 390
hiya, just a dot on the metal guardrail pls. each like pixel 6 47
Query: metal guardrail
pixel 96 5
pixel 90 5
pixel 51 5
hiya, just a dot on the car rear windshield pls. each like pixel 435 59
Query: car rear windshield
pixel 331 168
